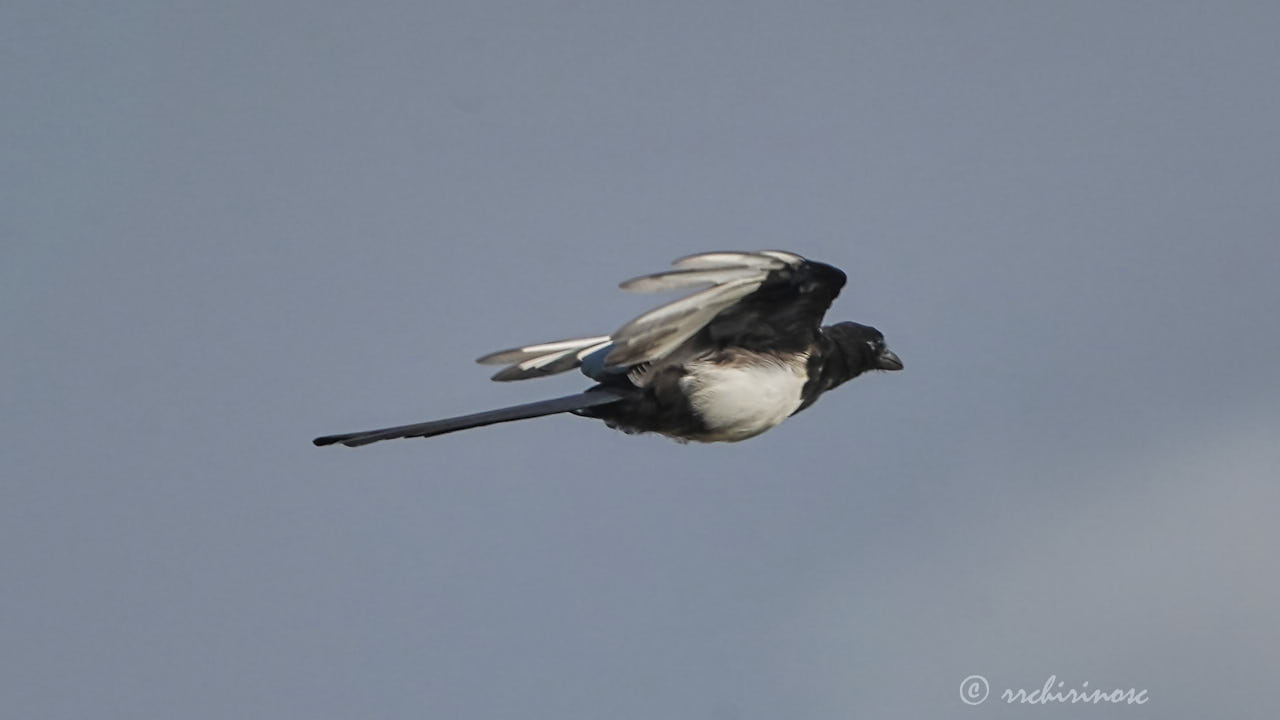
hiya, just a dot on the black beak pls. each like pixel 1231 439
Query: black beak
pixel 888 360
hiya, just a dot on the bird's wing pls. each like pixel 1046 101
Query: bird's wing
pixel 746 297
pixel 544 358
pixel 769 300
pixel 783 314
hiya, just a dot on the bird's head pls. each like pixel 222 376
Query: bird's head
pixel 864 345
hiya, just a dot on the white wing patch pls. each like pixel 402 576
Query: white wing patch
pixel 653 335
pixel 514 355
pixel 759 260
pixel 680 279
pixel 543 359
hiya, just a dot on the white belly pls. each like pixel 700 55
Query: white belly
pixel 741 401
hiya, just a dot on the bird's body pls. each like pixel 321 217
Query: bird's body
pixel 721 365
pixel 741 397
pixel 724 395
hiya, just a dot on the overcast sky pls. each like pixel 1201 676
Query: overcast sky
pixel 230 227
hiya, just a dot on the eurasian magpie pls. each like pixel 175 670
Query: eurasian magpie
pixel 724 364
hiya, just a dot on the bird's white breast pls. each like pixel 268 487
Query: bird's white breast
pixel 739 401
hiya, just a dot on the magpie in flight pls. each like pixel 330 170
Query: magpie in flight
pixel 726 363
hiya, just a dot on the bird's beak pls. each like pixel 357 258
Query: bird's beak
pixel 888 360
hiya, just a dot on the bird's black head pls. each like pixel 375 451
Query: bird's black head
pixel 863 347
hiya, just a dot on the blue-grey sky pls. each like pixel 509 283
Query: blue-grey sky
pixel 230 227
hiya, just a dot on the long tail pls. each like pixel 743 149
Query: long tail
pixel 568 403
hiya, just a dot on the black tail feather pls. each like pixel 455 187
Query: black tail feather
pixel 567 403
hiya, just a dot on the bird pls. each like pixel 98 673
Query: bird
pixel 726 363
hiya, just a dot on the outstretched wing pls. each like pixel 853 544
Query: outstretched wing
pixel 783 314
pixel 767 299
